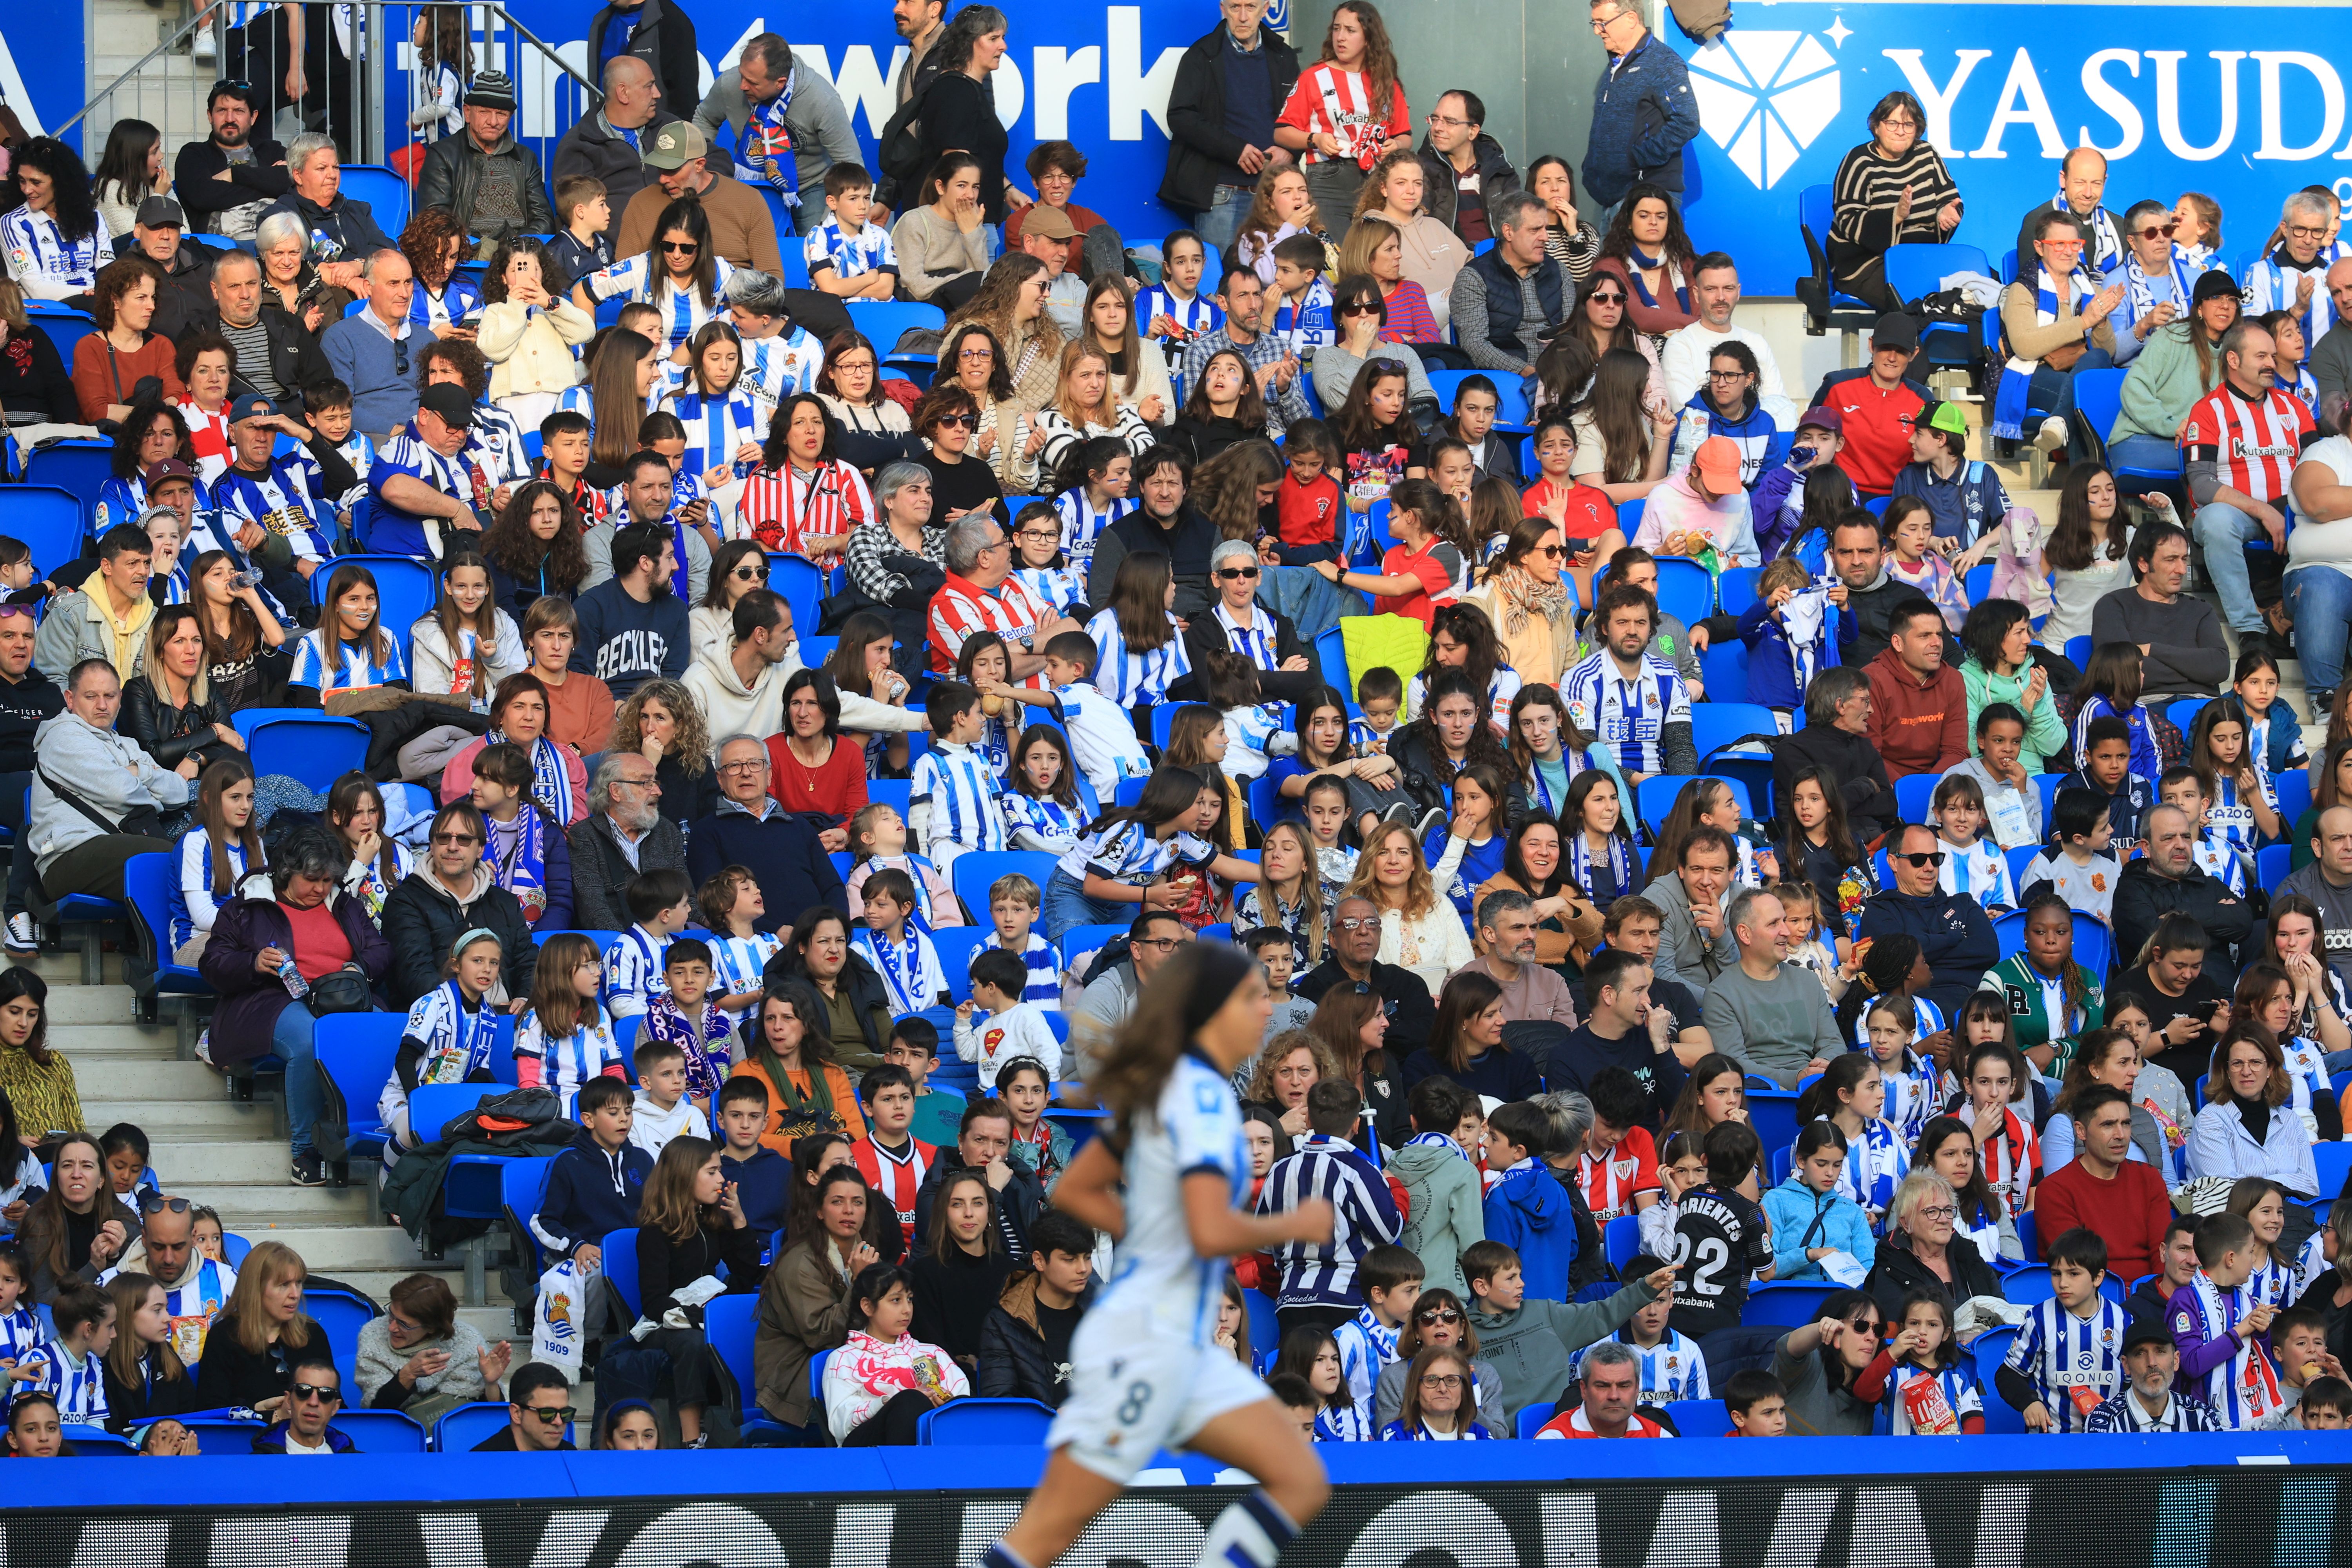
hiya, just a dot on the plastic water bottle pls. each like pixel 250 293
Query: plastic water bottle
pixel 291 977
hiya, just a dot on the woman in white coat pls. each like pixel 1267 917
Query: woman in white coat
pixel 2246 1127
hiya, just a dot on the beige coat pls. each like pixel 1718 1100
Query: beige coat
pixel 2029 339
pixel 530 350
pixel 1545 647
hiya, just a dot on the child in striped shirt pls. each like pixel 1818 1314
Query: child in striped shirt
pixel 660 903
pixel 75 1374
pixel 2218 1327
pixel 849 257
pixel 894 942
pixel 1381 695
pixel 1174 310
pixel 2067 1359
pixel 1102 733
pixel 878 838
pixel 731 904
pixel 20 1326
pixel 1973 863
pixel 566 1037
pixel 686 1018
pixel 1095 477
pixel 2185 787
pixel 1928 1392
pixel 1014 903
pixel 954 793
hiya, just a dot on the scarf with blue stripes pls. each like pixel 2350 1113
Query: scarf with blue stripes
pixel 2008 407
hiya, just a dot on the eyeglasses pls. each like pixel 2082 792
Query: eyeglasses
pixel 24 610
pixel 550 1415
pixel 1893 124
pixel 305 1392
pixel 455 838
pixel 400 357
pixel 1159 943
pixel 679 246
pixel 755 765
pixel 1552 551
pixel 1358 922
pixel 1726 374
pixel 957 421
pixel 1933 858
pixel 976 354
pixel 1602 23
pixel 155 1203
pixel 2166 232
pixel 750 573
pixel 636 783
pixel 1606 299
pixel 1231 573
pixel 1937 1211
pixel 1445 1315
pixel 1447 121
pixel 594 964
pixel 1039 535
pixel 2062 244
pixel 1000 544
pixel 1445 1382
pixel 2297 231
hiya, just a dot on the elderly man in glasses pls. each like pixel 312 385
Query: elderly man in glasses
pixel 313 1396
pixel 782 851
pixel 1955 934
pixel 2157 278
pixel 1237 623
pixel 2293 273
pixel 1355 944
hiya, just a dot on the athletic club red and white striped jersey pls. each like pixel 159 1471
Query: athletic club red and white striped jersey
pixel 2253 446
pixel 896 1174
pixel 1328 99
pixel 782 507
pixel 962 607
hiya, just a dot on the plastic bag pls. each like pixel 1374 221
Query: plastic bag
pixel 555 1323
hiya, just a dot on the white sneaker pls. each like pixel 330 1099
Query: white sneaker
pixel 24 936
pixel 2052 433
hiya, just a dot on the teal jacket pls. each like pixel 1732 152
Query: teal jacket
pixel 1804 1219
pixel 2163 385
pixel 2045 733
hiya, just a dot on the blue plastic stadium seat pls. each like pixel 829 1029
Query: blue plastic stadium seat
pixel 316 749
pixel 522 1187
pixel 1700 1418
pixel 1534 1418
pixel 1623 1240
pixel 620 1259
pixel 147 888
pixel 460 1430
pixel 1915 271
pixel 376 1431
pixel 1007 1423
pixel 1724 667
pixel 80 468
pixel 1785 1305
pixel 973 874
pixel 1685 590
pixel 1912 796
pixel 1655 795
pixel 801 583
pixel 54 523
pixel 1080 944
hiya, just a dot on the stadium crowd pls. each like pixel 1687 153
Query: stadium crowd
pixel 1941 973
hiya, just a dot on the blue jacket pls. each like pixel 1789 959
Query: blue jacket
pixel 1528 1211
pixel 763 1183
pixel 1956 938
pixel 1771 668
pixel 590 1192
pixel 2125 807
pixel 1642 113
pixel 1795 1211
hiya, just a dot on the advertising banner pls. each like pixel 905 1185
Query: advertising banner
pixel 2008 89
pixel 2224 1517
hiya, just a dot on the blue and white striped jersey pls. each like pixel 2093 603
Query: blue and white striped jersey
pixel 1128 852
pixel 1672 1369
pixel 2076 1364
pixel 633 971
pixel 738 962
pixel 20 1332
pixel 1628 715
pixel 287 498
pixel 783 364
pixel 1042 989
pixel 910 969
pixel 1195 1126
pixel 1875 1164
pixel 1047 825
pixel 716 426
pixel 347 666
pixel 632 278
pixel 828 246
pixel 1133 677
pixel 2122 1413
pixel 1959 1389
pixel 962 793
pixel 1059 586
pixel 1082 525
pixel 1367 1345
pixel 79 1388
pixel 1102 736
pixel 1193 317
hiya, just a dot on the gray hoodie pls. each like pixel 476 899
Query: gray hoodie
pixel 1447 1213
pixel 106 770
pixel 1532 1347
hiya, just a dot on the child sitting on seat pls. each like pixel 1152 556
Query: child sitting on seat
pixel 447 1039
pixel 686 1017
pixel 877 837
pixel 565 1039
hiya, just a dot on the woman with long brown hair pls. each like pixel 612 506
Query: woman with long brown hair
pixel 1353 1025
pixel 1622 441
pixel 804 1302
pixel 1564 370
pixel 1140 650
pixel 2085 552
pixel 1223 409
pixel 1233 488
pixel 1429 253
pixel 690 1225
pixel 1347 108
pixel 1289 893
pixel 1645 246
pixel 1162 1079
pixel 146 1381
pixel 962 1266
pixel 215 855
pixel 678 267
pixel 1137 380
pixel 1011 304
pixel 622 374
pixel 1419 929
pixel 1465 1043
pixel 77 1230
pixel 533 548
pixel 662 722
pixel 971 358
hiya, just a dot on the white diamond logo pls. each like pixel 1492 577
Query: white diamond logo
pixel 1763 98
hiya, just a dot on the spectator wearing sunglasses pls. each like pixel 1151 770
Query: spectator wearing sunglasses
pixel 1237 623
pixel 313 1399
pixel 539 1413
pixel 2157 276
pixel 1954 932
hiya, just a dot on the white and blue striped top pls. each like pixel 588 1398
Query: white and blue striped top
pixel 633 971
pixel 43 262
pixel 1630 716
pixel 2058 1352
pixel 1127 852
pixel 1131 677
pixel 1058 586
pixel 80 1390
pixel 1047 825
pixel 349 666
pixel 634 278
pixel 783 364
pixel 1044 987
pixel 963 792
pixel 192 889
pixel 738 962
pixel 1082 525
pixel 716 426
pixel 849 254
pixel 570 1061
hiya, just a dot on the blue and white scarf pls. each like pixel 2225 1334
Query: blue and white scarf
pixel 2107 247
pixel 1580 863
pixel 1437 1141
pixel 2010 404
pixel 2142 297
pixel 768 139
pixel 550 784
pixel 521 869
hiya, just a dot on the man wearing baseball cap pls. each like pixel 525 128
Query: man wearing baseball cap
pixel 155 229
pixel 224 181
pixel 742 230
pixel 1877 404
pixel 1777 501
pixel 2151 1360
pixel 278 509
pixel 1046 234
pixel 1702 508
pixel 485 179
pixel 423 492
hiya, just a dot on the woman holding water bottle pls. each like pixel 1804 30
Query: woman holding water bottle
pixel 268 958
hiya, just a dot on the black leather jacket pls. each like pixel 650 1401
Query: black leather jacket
pixel 167 733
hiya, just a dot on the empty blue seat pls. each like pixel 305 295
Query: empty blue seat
pixel 54 523
pixel 460 1430
pixel 973 874
pixel 316 749
pixel 1700 1418
pixel 802 584
pixel 1008 1423
pixel 80 468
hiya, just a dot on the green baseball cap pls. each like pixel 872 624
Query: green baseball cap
pixel 1948 417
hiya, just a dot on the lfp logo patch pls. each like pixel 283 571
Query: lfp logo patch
pixel 1763 98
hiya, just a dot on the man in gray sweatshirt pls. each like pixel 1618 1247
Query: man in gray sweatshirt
pixel 1770 1016
pixel 1695 943
pixel 1533 1343
pixel 2182 653
pixel 76 841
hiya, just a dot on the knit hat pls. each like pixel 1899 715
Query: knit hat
pixel 491 90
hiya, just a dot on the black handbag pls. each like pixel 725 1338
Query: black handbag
pixel 344 990
pixel 143 820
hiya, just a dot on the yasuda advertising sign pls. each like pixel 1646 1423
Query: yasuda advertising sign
pixel 2243 104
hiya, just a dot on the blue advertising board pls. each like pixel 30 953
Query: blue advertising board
pixel 44 63
pixel 1098 74
pixel 2008 89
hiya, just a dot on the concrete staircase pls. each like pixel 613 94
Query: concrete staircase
pixel 227 1155
pixel 168 92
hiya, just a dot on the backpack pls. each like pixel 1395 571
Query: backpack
pixel 901 142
